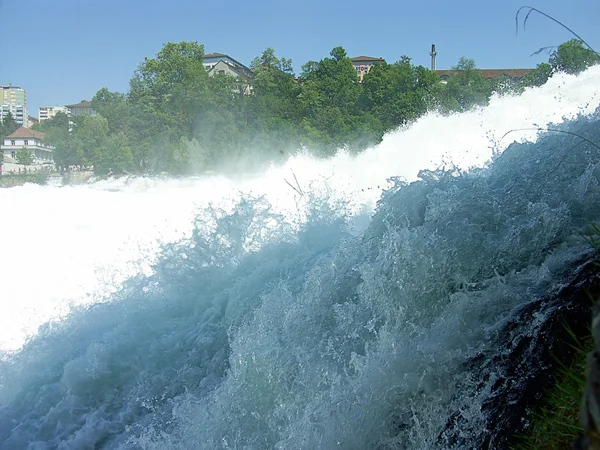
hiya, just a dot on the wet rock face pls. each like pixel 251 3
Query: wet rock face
pixel 531 359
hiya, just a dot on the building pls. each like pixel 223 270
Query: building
pixel 222 67
pixel 31 140
pixel 32 121
pixel 363 64
pixel 219 63
pixel 12 95
pixel 17 111
pixel 80 109
pixel 13 99
pixel 226 64
pixel 512 74
pixel 48 112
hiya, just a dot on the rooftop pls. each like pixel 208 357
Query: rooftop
pixel 83 104
pixel 26 133
pixel 234 64
pixel 366 58
pixel 216 55
pixel 490 73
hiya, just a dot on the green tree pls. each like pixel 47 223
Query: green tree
pixel 56 133
pixel 538 76
pixel 572 57
pixel 399 92
pixel 269 60
pixel 329 100
pixel 115 155
pixel 114 108
pixel 8 125
pixel 24 157
pixel 221 122
pixel 171 86
pixel 466 88
pixel 188 157
pixel 82 143
pixel 272 113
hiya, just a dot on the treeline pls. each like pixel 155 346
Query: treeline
pixel 7 126
pixel 179 120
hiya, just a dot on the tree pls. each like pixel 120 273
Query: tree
pixel 269 60
pixel 467 87
pixel 8 125
pixel 24 157
pixel 115 155
pixel 171 86
pixel 329 101
pixel 273 110
pixel 114 108
pixel 572 57
pixel 399 92
pixel 90 139
pixel 56 133
pixel 538 76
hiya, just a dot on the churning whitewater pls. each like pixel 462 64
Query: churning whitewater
pixel 353 303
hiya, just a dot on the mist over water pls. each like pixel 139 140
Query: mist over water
pixel 342 312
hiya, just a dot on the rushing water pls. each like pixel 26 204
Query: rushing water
pixel 319 305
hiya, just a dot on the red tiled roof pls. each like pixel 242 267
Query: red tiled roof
pixel 490 73
pixel 365 58
pixel 26 133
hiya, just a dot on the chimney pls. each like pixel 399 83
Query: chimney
pixel 433 55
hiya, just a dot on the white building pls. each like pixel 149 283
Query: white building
pixel 31 140
pixel 48 112
pixel 19 113
pixel 81 109
pixel 219 63
pixel 13 99
pixel 226 64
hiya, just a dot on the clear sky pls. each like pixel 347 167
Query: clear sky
pixel 64 51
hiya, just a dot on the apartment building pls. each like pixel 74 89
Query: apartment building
pixel 18 112
pixel 14 100
pixel 48 112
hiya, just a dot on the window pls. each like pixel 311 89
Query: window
pixel 13 142
pixel 26 142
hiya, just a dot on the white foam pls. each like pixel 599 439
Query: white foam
pixel 74 245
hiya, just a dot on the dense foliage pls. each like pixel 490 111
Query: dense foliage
pixel 178 118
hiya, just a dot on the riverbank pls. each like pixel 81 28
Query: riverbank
pixel 43 178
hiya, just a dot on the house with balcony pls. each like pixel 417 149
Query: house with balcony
pixel 80 109
pixel 219 63
pixel 27 139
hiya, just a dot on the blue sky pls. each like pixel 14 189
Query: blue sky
pixel 63 51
